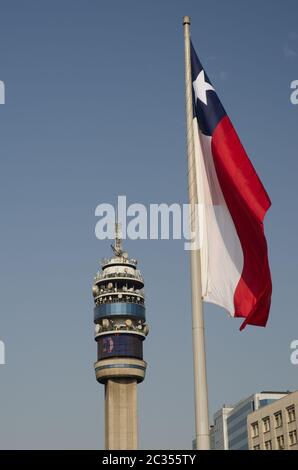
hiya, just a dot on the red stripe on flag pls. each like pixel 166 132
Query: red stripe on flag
pixel 247 202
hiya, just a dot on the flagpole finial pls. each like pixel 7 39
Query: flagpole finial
pixel 186 20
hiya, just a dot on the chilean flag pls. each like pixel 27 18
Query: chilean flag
pixel 233 204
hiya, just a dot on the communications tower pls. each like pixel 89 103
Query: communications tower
pixel 120 329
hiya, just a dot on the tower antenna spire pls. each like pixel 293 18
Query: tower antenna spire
pixel 118 238
pixel 117 247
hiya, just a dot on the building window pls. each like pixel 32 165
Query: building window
pixel 266 424
pixel 257 447
pixel 291 413
pixel 268 445
pixel 293 437
pixel 255 429
pixel 278 419
pixel 280 443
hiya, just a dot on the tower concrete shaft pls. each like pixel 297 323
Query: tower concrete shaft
pixel 120 329
pixel 121 418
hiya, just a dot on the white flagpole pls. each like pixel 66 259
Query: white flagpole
pixel 198 330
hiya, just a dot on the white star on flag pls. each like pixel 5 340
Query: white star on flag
pixel 201 87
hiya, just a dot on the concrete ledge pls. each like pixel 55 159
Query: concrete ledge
pixel 119 368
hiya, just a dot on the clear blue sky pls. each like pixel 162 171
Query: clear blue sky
pixel 95 108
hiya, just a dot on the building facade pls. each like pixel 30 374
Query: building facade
pixel 230 423
pixel 220 429
pixel 275 426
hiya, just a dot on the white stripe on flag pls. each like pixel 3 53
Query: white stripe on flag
pixel 221 251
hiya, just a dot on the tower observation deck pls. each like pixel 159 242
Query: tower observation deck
pixel 120 329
